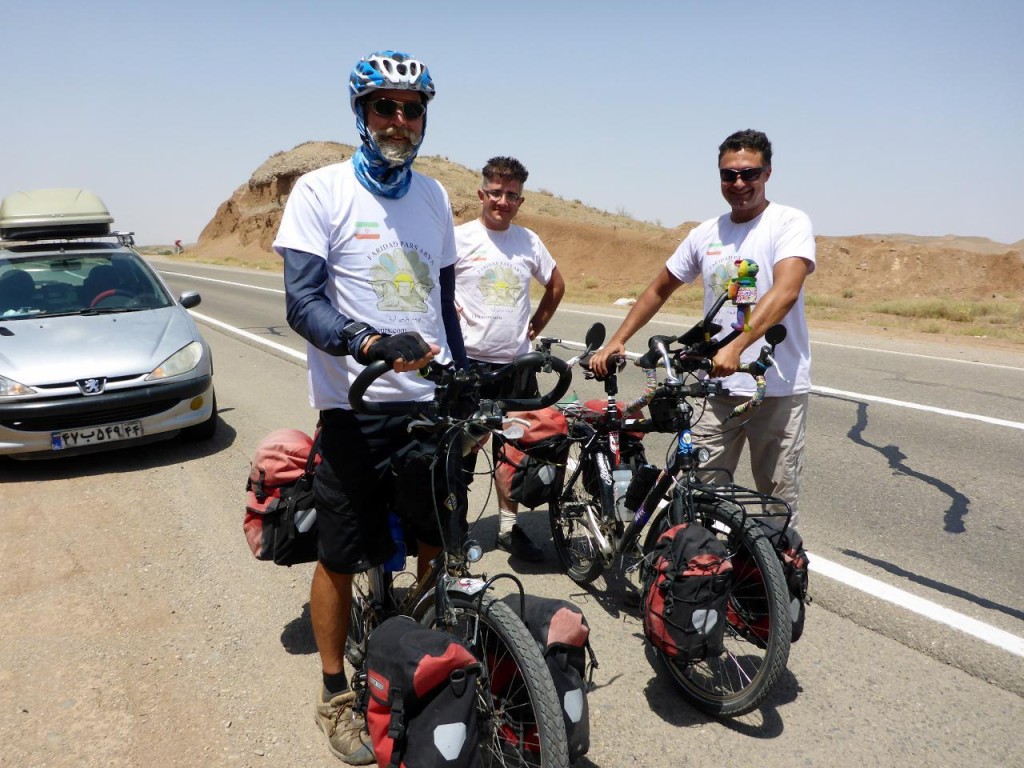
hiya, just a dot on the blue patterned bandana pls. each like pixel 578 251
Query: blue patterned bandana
pixel 376 173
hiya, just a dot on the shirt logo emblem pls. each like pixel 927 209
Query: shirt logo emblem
pixel 367 230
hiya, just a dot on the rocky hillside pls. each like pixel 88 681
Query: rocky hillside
pixel 604 255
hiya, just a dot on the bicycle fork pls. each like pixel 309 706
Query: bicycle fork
pixel 604 546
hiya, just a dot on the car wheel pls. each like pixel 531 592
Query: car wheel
pixel 206 429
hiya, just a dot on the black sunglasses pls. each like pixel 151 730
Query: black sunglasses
pixel 411 110
pixel 728 175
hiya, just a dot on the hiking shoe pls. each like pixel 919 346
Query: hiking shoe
pixel 344 728
pixel 518 544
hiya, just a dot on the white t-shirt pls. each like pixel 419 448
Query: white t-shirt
pixel 492 288
pixel 709 252
pixel 384 258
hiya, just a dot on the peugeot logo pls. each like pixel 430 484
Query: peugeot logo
pixel 92 386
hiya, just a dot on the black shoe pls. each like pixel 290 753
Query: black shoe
pixel 518 544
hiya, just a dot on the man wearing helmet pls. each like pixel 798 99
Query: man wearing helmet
pixel 369 252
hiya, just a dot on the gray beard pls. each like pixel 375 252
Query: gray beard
pixel 397 154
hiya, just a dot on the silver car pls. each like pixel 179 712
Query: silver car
pixel 95 352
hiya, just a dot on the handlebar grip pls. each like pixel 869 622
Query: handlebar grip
pixel 366 377
pixel 536 360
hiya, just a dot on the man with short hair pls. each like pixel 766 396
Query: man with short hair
pixel 497 261
pixel 780 241
pixel 369 254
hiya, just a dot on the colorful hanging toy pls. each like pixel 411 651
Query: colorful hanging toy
pixel 743 292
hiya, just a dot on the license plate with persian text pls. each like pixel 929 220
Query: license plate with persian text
pixel 107 433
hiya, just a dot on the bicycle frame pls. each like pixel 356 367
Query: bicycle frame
pixel 447 595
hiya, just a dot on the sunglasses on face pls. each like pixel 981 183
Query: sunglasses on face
pixel 728 175
pixel 497 194
pixel 411 110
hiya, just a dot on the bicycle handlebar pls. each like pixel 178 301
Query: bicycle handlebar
pixel 697 353
pixel 451 383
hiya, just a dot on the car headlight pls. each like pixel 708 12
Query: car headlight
pixel 11 388
pixel 182 361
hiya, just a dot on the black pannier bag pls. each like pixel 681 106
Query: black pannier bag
pixel 562 632
pixel 421 697
pixel 686 592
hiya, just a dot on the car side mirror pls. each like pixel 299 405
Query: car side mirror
pixel 189 299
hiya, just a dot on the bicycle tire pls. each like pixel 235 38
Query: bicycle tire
pixel 574 541
pixel 363 616
pixel 360 622
pixel 520 715
pixel 758 627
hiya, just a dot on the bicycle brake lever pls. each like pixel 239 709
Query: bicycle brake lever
pixel 662 349
pixel 514 428
pixel 772 364
pixel 418 423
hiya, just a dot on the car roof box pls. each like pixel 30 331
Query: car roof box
pixel 53 214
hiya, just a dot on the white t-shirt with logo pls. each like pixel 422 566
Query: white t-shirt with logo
pixel 710 252
pixel 384 258
pixel 492 288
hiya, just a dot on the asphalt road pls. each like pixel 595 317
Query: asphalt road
pixel 914 643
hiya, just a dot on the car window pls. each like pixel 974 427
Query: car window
pixel 48 284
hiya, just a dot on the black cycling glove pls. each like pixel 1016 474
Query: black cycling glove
pixel 407 346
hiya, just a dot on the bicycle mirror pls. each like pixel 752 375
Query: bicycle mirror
pixel 776 334
pixel 595 336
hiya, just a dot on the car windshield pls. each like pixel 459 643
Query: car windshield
pixel 67 283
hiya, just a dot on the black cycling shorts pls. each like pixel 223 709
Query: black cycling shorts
pixel 355 488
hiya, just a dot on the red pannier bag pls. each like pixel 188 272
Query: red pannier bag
pixel 563 634
pixel 422 689
pixel 280 517
pixel 533 465
pixel 746 612
pixel 599 406
pixel 686 593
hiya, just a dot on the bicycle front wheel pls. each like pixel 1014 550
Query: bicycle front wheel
pixel 363 616
pixel 758 628
pixel 574 512
pixel 520 716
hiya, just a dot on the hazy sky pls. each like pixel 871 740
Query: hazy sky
pixel 885 116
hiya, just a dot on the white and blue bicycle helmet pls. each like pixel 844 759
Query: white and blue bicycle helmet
pixel 384 70
pixel 379 71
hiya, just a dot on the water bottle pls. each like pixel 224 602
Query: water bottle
pixel 621 479
pixel 643 482
pixel 397 561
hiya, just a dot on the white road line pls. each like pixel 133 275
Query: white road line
pixel 885 400
pixel 301 356
pixel 916 354
pixel 918 605
pixel 840 573
pixel 918 407
pixel 223 282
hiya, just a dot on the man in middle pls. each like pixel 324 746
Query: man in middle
pixel 496 261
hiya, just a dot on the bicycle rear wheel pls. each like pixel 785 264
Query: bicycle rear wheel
pixel 758 629
pixel 519 713
pixel 579 500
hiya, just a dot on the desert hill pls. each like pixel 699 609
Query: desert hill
pixel 604 256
